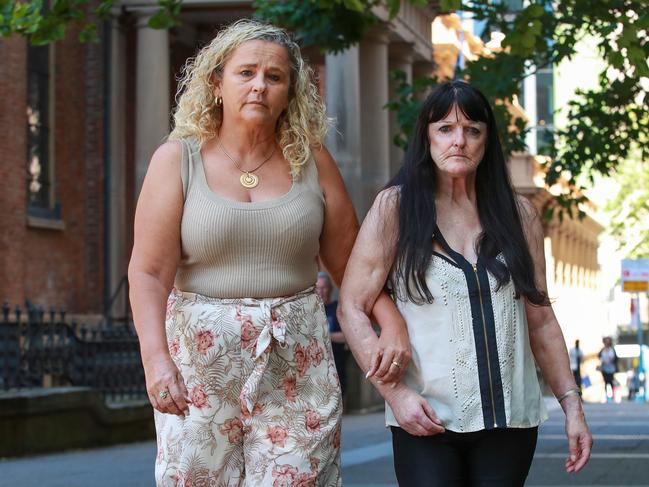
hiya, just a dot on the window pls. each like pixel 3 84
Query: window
pixel 40 191
pixel 544 108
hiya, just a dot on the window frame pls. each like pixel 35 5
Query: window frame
pixel 46 214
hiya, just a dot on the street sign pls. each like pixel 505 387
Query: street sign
pixel 635 275
pixel 635 286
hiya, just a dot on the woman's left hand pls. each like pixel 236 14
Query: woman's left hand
pixel 391 355
pixel 580 441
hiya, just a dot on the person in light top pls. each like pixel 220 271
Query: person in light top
pixel 463 257
pixel 234 213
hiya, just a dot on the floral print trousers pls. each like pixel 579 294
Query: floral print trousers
pixel 266 404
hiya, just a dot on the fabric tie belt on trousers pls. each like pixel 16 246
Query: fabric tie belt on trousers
pixel 274 328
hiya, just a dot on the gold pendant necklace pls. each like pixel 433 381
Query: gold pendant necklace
pixel 248 179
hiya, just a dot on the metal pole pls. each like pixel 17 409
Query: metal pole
pixel 635 320
pixel 641 369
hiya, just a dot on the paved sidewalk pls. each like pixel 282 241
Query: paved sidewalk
pixel 619 457
pixel 364 439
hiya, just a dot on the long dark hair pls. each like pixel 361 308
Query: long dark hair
pixel 498 210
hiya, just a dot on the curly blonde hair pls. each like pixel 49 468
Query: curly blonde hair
pixel 302 125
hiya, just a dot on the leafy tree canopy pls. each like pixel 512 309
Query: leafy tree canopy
pixel 331 25
pixel 602 122
pixel 45 21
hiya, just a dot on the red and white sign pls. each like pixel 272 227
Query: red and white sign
pixel 635 275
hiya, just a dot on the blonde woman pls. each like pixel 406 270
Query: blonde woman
pixel 234 211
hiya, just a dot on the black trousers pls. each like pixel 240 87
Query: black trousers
pixel 488 458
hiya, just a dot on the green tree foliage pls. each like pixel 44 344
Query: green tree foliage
pixel 331 25
pixel 629 207
pixel 602 122
pixel 407 104
pixel 45 21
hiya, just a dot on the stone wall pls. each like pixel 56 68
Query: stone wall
pixel 56 419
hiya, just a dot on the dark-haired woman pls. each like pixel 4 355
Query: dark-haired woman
pixel 464 258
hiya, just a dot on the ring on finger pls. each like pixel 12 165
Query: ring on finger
pixel 163 394
pixel 396 364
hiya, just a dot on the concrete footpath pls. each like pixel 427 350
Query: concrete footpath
pixel 619 458
pixel 364 440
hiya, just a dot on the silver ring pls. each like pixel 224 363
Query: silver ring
pixel 396 363
pixel 163 394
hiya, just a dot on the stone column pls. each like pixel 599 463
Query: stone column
pixel 567 263
pixel 375 121
pixel 551 256
pixel 400 56
pixel 574 256
pixel 118 253
pixel 593 262
pixel 581 260
pixel 343 104
pixel 351 100
pixel 560 257
pixel 152 93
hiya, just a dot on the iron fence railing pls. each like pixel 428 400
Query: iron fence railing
pixel 39 349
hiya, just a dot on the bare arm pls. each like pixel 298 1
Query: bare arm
pixel 366 273
pixel 155 257
pixel 338 235
pixel 340 224
pixel 549 347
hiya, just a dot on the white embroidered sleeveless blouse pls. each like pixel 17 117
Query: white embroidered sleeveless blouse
pixel 471 355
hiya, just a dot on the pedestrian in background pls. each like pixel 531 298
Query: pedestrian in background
pixel 324 288
pixel 576 358
pixel 463 256
pixel 608 367
pixel 233 214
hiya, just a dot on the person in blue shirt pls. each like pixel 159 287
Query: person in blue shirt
pixel 324 289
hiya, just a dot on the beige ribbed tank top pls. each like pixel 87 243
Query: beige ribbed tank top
pixel 232 249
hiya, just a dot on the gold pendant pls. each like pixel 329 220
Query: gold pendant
pixel 249 180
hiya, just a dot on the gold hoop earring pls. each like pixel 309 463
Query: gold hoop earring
pixel 219 101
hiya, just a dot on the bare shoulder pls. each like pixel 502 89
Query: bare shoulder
pixel 532 224
pixel 324 161
pixel 163 181
pixel 529 214
pixel 169 153
pixel 387 199
pixel 164 171
pixel 331 181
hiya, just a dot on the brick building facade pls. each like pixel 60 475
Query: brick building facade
pixel 52 253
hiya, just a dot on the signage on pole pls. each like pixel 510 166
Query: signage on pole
pixel 635 275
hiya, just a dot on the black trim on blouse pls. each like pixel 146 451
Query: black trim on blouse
pixel 484 335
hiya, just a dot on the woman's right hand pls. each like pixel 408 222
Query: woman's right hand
pixel 391 355
pixel 162 376
pixel 413 413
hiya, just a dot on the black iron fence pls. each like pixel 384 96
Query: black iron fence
pixel 40 349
